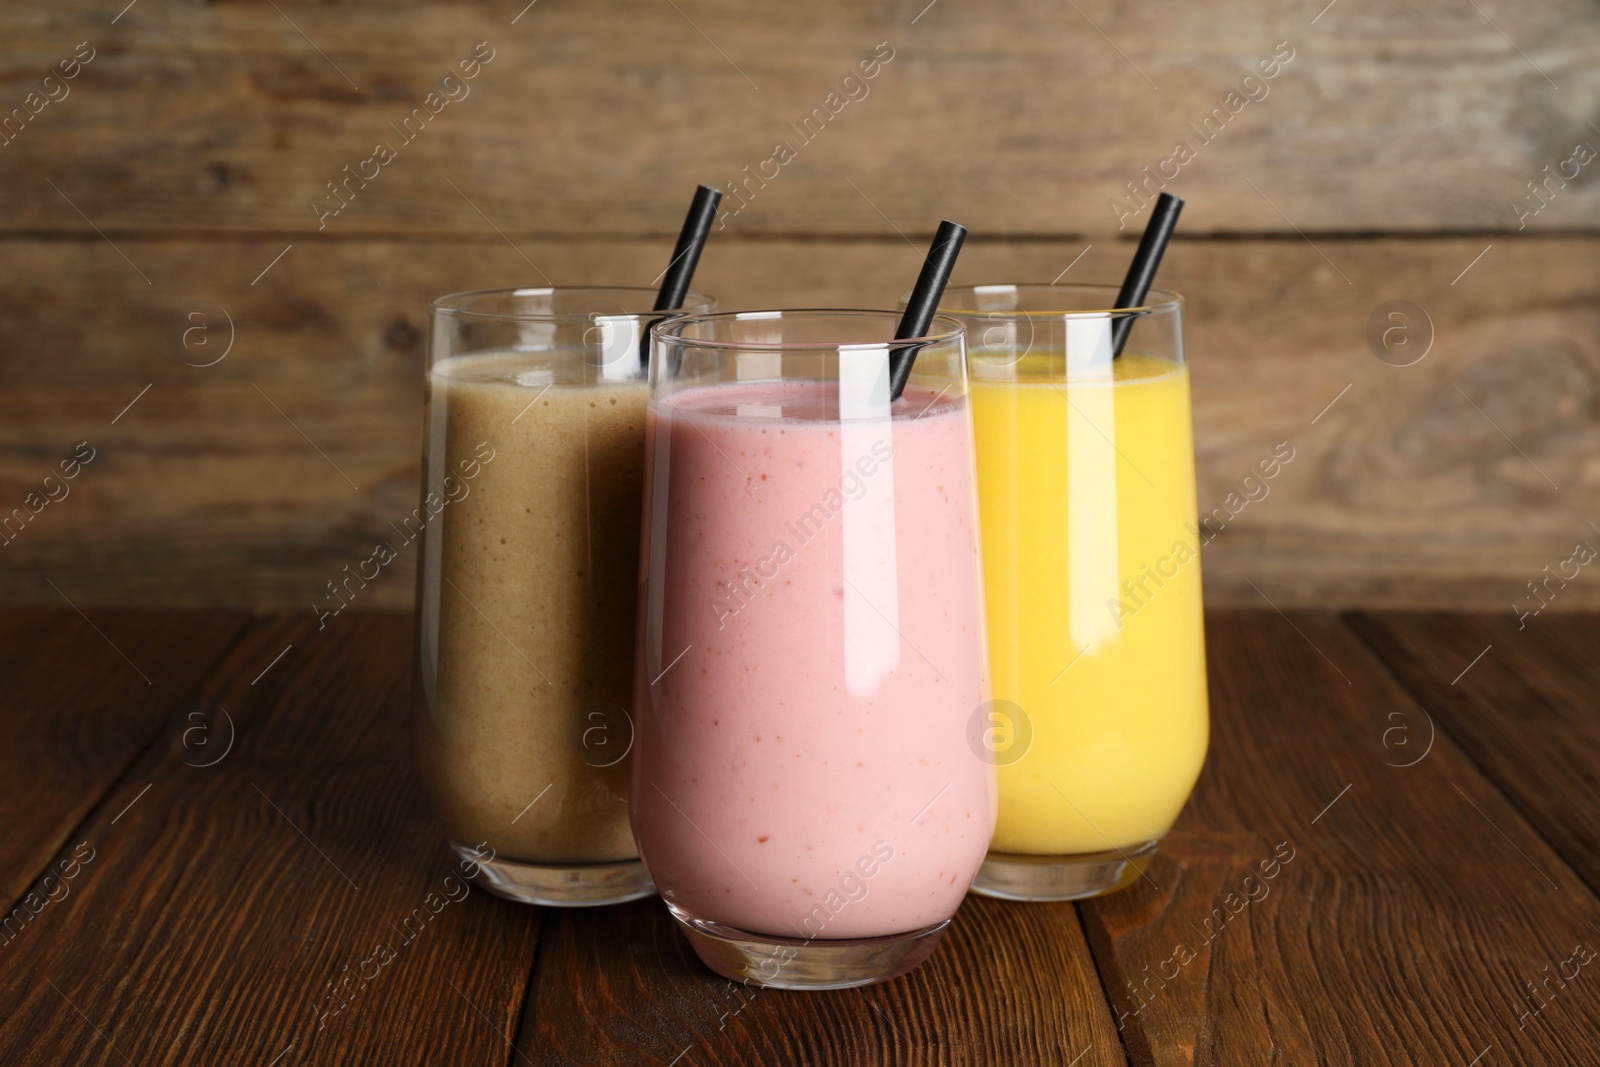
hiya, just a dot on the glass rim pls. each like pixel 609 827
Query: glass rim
pixel 449 304
pixel 1157 300
pixel 664 332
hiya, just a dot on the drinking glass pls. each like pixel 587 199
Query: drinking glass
pixel 811 646
pixel 1086 494
pixel 533 468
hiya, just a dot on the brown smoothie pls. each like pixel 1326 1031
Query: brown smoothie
pixel 538 564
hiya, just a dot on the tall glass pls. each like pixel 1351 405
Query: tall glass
pixel 533 468
pixel 1086 493
pixel 811 648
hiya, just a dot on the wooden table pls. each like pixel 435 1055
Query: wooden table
pixel 218 824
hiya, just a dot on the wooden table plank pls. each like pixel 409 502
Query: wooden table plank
pixel 1009 984
pixel 1412 916
pixel 1408 906
pixel 1520 700
pixel 219 920
pixel 76 708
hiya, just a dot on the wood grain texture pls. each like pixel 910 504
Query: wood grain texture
pixel 217 913
pixel 1417 904
pixel 147 207
pixel 1419 919
pixel 1018 118
pixel 1524 712
pixel 1416 485
pixel 74 714
pixel 1009 983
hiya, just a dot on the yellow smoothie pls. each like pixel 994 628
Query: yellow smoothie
pixel 1086 497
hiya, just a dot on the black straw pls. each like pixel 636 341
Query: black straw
pixel 1142 271
pixel 686 256
pixel 924 301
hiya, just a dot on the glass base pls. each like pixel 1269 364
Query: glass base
pixel 566 885
pixel 1014 876
pixel 790 963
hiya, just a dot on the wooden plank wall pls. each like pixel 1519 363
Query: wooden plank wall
pixel 167 239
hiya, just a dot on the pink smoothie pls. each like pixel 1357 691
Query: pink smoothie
pixel 811 657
